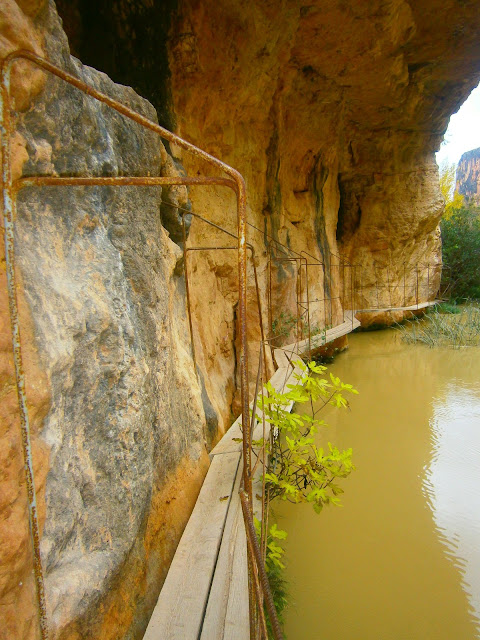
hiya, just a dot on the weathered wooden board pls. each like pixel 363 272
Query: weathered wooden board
pixel 228 443
pixel 227 610
pixel 181 605
pixel 206 590
pixel 280 378
pixel 412 307
pixel 297 349
pixel 237 623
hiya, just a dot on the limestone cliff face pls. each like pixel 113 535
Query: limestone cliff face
pixel 332 112
pixel 468 176
pixel 117 414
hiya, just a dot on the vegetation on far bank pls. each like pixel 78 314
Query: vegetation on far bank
pixel 460 227
pixel 455 322
pixel 445 329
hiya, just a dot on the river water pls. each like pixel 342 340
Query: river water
pixel 400 560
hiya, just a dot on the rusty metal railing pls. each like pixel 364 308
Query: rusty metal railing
pixel 187 249
pixel 10 191
pixel 412 286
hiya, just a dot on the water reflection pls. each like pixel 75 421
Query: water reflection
pixel 452 481
pixel 401 559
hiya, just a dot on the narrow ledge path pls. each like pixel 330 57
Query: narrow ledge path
pixel 205 594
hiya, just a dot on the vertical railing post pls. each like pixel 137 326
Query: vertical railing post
pixel 428 282
pixel 187 291
pixel 259 306
pixel 298 264
pixel 389 287
pixel 9 216
pixel 324 297
pixel 352 276
pixel 269 295
pixel 416 294
pixel 308 311
pixel 246 432
pixel 330 287
pixel 376 283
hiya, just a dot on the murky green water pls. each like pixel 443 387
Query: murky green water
pixel 401 559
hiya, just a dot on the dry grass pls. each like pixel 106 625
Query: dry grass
pixel 445 330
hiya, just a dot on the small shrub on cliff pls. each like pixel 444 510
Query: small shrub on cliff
pixel 283 325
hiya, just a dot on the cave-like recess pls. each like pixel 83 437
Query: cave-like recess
pixel 127 40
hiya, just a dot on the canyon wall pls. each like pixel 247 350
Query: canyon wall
pixel 116 411
pixel 468 176
pixel 332 112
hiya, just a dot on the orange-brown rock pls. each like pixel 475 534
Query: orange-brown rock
pixel 376 319
pixel 332 113
pixel 116 413
pixel 18 31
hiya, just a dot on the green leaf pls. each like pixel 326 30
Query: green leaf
pixel 275 532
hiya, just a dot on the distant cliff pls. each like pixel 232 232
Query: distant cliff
pixel 468 175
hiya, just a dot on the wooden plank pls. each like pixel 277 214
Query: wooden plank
pixel 413 307
pixel 280 358
pixel 237 623
pixel 280 378
pixel 227 444
pixel 227 609
pixel 180 609
pixel 301 348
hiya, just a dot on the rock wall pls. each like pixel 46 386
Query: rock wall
pixel 468 176
pixel 332 112
pixel 117 416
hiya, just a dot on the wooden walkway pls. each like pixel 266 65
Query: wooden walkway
pixel 205 594
pixel 413 307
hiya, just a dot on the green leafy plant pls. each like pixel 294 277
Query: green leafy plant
pixel 286 322
pixel 298 470
pixel 274 567
pixel 445 307
pixel 283 325
pixel 453 200
pixel 275 552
